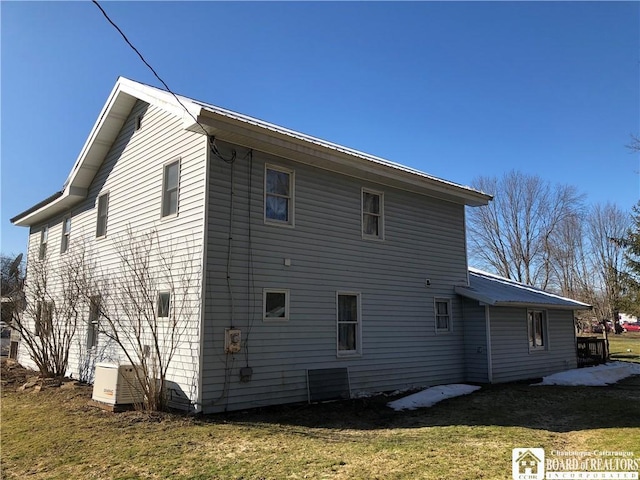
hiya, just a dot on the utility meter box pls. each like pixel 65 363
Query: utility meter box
pixel 232 340
pixel 116 385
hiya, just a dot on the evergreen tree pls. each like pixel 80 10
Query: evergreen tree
pixel 630 301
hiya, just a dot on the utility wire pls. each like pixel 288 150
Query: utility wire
pixel 147 64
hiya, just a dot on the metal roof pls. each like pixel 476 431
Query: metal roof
pixel 208 119
pixel 494 290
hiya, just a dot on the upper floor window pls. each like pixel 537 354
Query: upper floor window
pixel 103 210
pixel 443 315
pixel 278 195
pixel 66 232
pixel 537 329
pixel 44 235
pixel 372 214
pixel 170 184
pixel 348 323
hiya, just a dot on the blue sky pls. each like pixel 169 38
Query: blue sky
pixel 456 89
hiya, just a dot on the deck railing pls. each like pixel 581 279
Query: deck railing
pixel 591 351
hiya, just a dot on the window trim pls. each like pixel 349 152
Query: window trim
pixel 287 311
pixel 93 324
pixel 44 318
pixel 164 193
pixel 449 329
pixel 290 223
pixel 66 234
pixel 358 351
pixel 545 329
pixel 158 305
pixel 44 238
pixel 381 222
pixel 106 215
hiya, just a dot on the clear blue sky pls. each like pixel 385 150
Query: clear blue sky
pixel 454 89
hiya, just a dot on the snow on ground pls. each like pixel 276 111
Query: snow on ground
pixel 597 376
pixel 431 396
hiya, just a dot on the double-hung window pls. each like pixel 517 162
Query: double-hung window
pixel 103 210
pixel 537 330
pixel 44 318
pixel 164 304
pixel 66 233
pixel 348 323
pixel 278 195
pixel 443 315
pixel 93 325
pixel 44 236
pixel 170 185
pixel 372 214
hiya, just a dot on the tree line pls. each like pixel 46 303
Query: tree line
pixel 546 236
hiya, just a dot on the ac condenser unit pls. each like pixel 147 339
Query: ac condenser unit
pixel 116 385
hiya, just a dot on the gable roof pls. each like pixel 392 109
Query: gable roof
pixel 239 129
pixel 498 291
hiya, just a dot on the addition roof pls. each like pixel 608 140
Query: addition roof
pixel 494 290
pixel 235 128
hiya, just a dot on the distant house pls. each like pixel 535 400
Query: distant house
pixel 317 264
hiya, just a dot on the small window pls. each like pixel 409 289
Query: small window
pixel 275 304
pixel 348 323
pixel 66 232
pixel 372 214
pixel 164 303
pixel 93 325
pixel 537 330
pixel 443 315
pixel 170 184
pixel 103 210
pixel 44 235
pixel 44 318
pixel 278 196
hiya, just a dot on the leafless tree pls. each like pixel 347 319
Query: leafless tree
pixel 53 302
pixel 145 306
pixel 514 235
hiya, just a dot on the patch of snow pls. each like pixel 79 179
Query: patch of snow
pixel 431 396
pixel 598 376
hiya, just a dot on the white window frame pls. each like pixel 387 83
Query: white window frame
pixel 44 318
pixel 531 330
pixel 166 191
pixel 449 315
pixel 358 324
pixel 159 306
pixel 99 222
pixel 93 324
pixel 287 312
pixel 379 215
pixel 66 234
pixel 44 238
pixel 291 198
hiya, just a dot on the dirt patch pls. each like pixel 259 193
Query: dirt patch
pixel 13 375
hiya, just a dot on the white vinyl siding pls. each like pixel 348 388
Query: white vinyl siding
pixel 102 214
pixel 278 195
pixel 170 188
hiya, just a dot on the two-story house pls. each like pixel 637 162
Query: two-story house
pixel 318 269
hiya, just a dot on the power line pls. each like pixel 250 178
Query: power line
pixel 147 64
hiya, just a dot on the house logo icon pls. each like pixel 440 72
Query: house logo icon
pixel 528 463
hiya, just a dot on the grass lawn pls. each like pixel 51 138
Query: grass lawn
pixel 625 346
pixel 55 434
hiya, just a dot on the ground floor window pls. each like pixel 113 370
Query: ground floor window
pixel 443 314
pixel 348 323
pixel 537 329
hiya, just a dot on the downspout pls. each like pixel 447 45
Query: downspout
pixel 487 319
pixel 203 291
